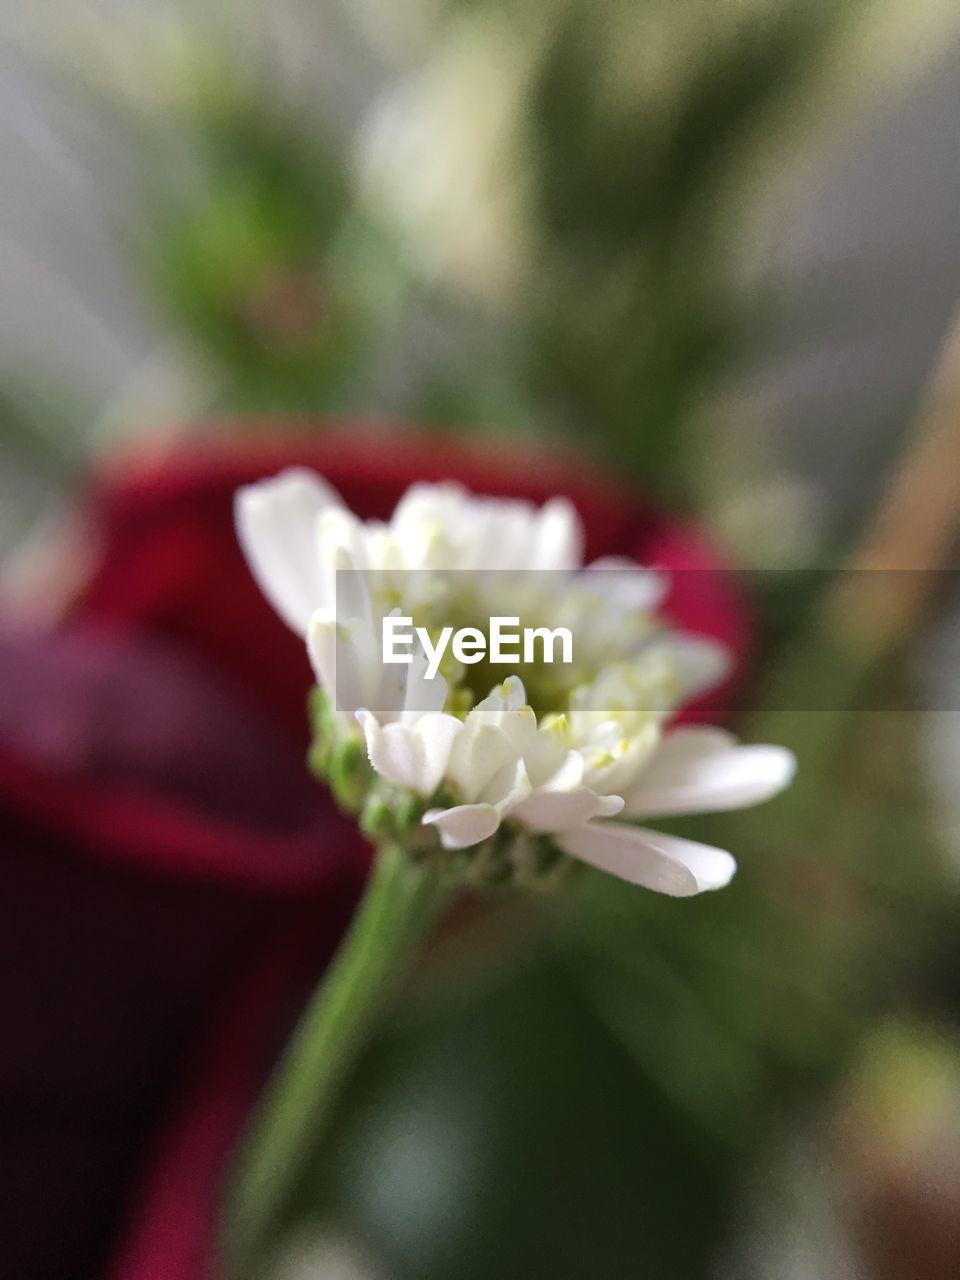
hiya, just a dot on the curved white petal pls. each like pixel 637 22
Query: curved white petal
pixel 460 824
pixel 548 756
pixel 341 545
pixel 428 504
pixel 568 776
pixel 508 695
pixel 275 521
pixel 613 767
pixel 667 864
pixel 558 536
pixel 704 770
pixel 342 659
pixel 504 533
pixel 701 662
pixel 322 649
pixel 464 824
pixel 412 756
pixel 479 754
pixel 554 811
pixel 631 585
pixel 420 694
pixel 351 591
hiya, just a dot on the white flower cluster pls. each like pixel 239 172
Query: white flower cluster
pixel 600 747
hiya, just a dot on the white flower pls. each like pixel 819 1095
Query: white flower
pixel 602 748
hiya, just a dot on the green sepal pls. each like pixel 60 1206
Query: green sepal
pixel 337 755
pixel 390 813
pixel 349 773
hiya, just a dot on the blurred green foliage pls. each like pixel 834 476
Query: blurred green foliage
pixel 252 254
pixel 633 150
pixel 636 311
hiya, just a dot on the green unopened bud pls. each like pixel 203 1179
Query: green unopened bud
pixel 407 812
pixel 323 731
pixel 349 773
pixel 318 760
pixel 376 817
pixel 391 813
pixel 321 714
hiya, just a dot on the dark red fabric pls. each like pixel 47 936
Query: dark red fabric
pixel 173 879
pixel 159 842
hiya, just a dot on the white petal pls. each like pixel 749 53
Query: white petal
pixel 351 589
pixel 467 824
pixel 429 523
pixel 412 756
pixel 342 660
pixel 480 752
pixel 569 776
pixel 275 522
pixel 503 535
pixel 420 694
pixel 322 649
pixel 425 503
pixel 547 754
pixel 558 537
pixel 701 770
pixel 463 825
pixel 554 811
pixel 509 695
pixel 632 587
pixel 701 662
pixel 341 545
pixel 666 864
pixel 612 767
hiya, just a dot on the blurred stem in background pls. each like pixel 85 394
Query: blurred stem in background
pixel 915 526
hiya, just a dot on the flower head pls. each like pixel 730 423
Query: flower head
pixel 545 759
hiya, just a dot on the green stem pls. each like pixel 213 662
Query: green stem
pixel 402 900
